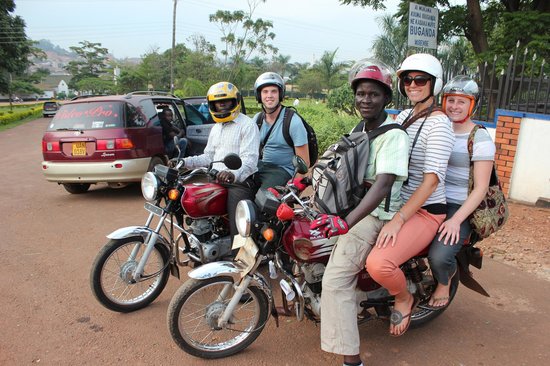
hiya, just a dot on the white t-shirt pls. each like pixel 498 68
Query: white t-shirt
pixel 458 171
pixel 430 154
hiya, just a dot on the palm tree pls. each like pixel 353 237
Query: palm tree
pixel 330 69
pixel 391 46
pixel 281 63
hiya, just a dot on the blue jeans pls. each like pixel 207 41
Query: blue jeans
pixel 170 148
pixel 441 256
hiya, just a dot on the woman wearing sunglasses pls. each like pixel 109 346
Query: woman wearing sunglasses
pixel 416 223
pixel 460 99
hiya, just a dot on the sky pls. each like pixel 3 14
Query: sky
pixel 131 28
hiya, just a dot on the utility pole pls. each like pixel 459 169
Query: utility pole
pixel 173 48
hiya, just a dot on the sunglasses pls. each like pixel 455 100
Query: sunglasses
pixel 419 80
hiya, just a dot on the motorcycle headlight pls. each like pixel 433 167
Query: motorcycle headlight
pixel 245 215
pixel 149 186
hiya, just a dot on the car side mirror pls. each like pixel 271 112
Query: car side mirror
pixel 232 161
pixel 299 164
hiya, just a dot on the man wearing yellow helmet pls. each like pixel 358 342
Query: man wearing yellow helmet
pixel 235 133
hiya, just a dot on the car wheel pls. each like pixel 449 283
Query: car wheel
pixel 76 188
pixel 155 160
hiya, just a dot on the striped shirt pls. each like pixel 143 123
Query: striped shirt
pixel 240 136
pixel 430 154
pixel 458 172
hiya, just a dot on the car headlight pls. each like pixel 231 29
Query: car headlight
pixel 245 215
pixel 149 186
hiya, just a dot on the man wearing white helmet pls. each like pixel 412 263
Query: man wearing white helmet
pixel 416 223
pixel 275 166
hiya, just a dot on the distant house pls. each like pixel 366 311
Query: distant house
pixel 62 87
pixel 54 84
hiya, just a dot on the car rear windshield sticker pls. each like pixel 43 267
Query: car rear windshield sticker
pixel 95 111
pixel 97 124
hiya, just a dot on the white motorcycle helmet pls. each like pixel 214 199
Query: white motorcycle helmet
pixel 269 78
pixel 423 62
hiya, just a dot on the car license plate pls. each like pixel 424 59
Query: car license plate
pixel 153 209
pixel 79 148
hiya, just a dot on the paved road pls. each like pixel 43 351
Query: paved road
pixel 49 239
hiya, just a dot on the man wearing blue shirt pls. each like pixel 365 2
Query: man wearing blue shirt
pixel 275 167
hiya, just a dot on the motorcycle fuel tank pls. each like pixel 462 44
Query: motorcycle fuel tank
pixel 304 244
pixel 204 199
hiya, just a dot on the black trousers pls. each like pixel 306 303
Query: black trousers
pixel 236 192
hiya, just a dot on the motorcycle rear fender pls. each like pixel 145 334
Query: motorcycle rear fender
pixel 226 268
pixel 133 231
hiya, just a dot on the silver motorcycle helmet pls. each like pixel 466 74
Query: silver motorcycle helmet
pixel 269 78
pixel 463 86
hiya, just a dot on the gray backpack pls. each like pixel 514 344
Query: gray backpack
pixel 338 175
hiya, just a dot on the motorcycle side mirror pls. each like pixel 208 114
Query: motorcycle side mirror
pixel 177 146
pixel 232 161
pixel 299 164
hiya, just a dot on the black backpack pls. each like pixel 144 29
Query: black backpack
pixel 338 176
pixel 311 137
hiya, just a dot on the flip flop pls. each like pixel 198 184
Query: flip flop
pixel 444 298
pixel 397 318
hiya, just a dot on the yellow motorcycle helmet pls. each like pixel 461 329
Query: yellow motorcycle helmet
pixel 224 91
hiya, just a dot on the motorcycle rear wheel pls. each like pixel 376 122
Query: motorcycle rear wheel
pixel 112 271
pixel 421 316
pixel 195 309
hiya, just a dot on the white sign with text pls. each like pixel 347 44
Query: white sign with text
pixel 423 26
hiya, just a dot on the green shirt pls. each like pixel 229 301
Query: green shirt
pixel 389 154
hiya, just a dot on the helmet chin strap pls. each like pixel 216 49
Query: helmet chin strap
pixel 271 110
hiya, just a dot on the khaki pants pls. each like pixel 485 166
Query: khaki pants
pixel 339 331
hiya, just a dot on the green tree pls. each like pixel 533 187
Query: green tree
pixel 95 85
pixel 26 83
pixel 391 46
pixel 197 63
pixel 15 47
pixel 92 62
pixel 524 20
pixel 310 81
pixel 342 99
pixel 130 79
pixel 280 64
pixel 331 70
pixel 243 36
pixel 154 68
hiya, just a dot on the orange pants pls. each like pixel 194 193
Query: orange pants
pixel 416 234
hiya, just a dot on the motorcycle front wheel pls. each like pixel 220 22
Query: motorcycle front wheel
pixel 196 307
pixel 111 278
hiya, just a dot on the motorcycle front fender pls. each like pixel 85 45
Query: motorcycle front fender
pixel 226 268
pixel 143 231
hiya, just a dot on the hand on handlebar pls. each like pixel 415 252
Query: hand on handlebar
pixel 329 225
pixel 225 177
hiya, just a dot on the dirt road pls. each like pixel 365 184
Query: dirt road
pixel 49 239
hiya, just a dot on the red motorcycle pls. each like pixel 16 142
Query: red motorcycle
pixel 223 306
pixel 187 225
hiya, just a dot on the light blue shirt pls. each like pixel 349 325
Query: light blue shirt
pixel 276 150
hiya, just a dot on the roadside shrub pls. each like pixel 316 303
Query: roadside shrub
pixel 342 100
pixel 15 116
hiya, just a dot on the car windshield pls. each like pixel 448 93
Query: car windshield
pixel 86 116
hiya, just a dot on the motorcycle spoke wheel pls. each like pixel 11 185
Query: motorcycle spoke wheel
pixel 112 273
pixel 196 307
pixel 421 314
